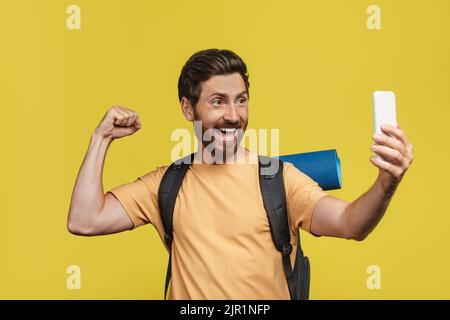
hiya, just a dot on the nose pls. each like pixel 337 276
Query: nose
pixel 231 114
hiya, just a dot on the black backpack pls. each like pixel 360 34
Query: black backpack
pixel 274 199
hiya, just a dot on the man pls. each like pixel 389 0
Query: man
pixel 222 246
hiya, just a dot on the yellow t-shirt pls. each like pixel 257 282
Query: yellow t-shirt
pixel 222 245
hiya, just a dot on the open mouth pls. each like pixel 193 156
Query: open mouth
pixel 226 133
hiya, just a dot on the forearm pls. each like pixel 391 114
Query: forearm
pixel 363 214
pixel 88 196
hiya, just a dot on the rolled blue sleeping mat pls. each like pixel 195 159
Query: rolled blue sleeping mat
pixel 324 167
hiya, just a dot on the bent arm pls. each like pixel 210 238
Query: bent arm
pixel 91 211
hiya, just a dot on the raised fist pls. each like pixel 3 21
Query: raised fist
pixel 118 122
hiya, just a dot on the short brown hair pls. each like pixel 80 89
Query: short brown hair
pixel 204 64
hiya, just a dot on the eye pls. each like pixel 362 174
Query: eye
pixel 242 100
pixel 216 102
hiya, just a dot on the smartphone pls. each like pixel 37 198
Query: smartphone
pixel 384 111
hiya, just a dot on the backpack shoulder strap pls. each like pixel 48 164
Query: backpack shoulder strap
pixel 167 194
pixel 274 198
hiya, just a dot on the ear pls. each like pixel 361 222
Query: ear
pixel 187 109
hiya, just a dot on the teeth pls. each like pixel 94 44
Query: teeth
pixel 228 130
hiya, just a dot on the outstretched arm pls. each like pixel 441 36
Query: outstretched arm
pixel 355 220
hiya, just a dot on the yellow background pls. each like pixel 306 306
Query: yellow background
pixel 313 67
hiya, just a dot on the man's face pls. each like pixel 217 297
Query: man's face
pixel 222 109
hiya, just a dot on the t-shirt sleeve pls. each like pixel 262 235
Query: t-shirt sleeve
pixel 140 197
pixel 302 194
